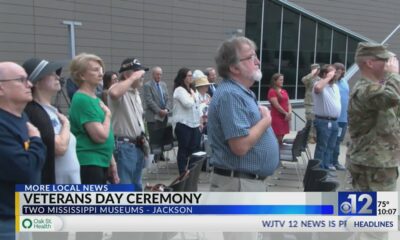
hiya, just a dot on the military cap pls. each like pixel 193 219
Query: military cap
pixel 368 49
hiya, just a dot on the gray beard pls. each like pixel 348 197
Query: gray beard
pixel 257 75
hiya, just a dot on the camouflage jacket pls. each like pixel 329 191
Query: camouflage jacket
pixel 374 125
pixel 309 81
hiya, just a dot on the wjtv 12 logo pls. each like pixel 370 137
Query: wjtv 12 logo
pixel 357 204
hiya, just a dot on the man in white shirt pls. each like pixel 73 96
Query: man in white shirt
pixel 327 106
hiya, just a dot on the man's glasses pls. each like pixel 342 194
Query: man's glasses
pixel 22 80
pixel 380 59
pixel 252 57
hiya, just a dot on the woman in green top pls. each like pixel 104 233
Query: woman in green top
pixel 90 122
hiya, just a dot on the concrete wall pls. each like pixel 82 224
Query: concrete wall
pixel 168 33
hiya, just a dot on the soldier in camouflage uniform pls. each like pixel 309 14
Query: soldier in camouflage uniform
pixel 308 82
pixel 374 127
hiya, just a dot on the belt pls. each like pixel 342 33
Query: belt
pixel 326 118
pixel 126 139
pixel 231 173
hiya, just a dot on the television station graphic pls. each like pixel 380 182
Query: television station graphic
pixel 74 208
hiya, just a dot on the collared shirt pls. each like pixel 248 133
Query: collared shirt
pixel 127 114
pixel 160 93
pixel 327 102
pixel 233 111
pixel 186 109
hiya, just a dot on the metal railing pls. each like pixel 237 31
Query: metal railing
pixel 298 120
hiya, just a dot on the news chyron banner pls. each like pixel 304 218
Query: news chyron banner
pixel 74 208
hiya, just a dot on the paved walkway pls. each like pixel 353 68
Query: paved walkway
pixel 166 172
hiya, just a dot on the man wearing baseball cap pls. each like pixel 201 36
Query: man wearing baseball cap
pixel 374 126
pixel 127 122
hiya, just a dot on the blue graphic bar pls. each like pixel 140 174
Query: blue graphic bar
pixel 75 188
pixel 181 209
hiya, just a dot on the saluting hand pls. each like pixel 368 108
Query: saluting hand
pixel 314 71
pixel 392 65
pixel 330 74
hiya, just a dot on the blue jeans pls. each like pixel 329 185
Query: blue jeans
pixel 327 131
pixel 130 162
pixel 188 143
pixel 342 131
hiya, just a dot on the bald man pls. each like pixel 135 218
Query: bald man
pixel 22 150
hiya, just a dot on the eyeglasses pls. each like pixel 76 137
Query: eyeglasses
pixel 252 57
pixel 22 80
pixel 379 59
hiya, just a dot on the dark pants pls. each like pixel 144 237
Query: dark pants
pixel 93 174
pixel 157 124
pixel 151 126
pixel 188 143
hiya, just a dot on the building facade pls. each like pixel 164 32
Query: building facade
pixel 168 33
pixel 186 33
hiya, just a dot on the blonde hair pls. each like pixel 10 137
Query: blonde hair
pixel 79 65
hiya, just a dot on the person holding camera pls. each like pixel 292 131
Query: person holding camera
pixel 127 122
pixel 62 165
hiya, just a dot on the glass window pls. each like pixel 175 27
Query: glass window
pixel 326 45
pixel 306 53
pixel 270 52
pixel 253 20
pixel 324 37
pixel 290 34
pixel 351 50
pixel 339 47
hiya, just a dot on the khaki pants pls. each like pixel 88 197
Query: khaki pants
pixel 230 184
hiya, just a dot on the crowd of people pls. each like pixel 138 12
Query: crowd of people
pixel 103 139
